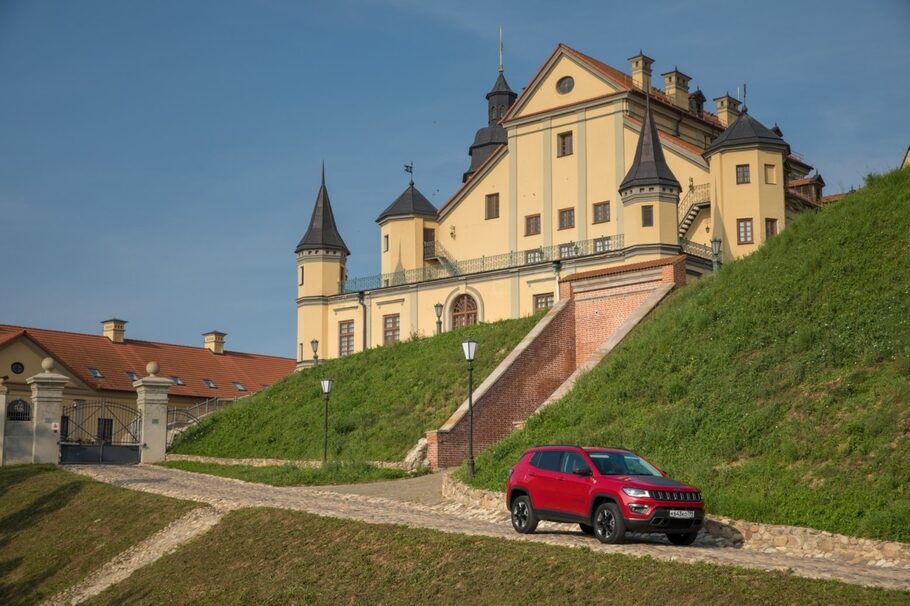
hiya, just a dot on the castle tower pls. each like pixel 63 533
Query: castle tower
pixel 650 193
pixel 407 231
pixel 746 164
pixel 321 259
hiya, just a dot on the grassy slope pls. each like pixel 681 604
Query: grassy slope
pixel 262 556
pixel 781 386
pixel 383 401
pixel 56 527
pixel 292 475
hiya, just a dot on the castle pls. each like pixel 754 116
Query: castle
pixel 588 169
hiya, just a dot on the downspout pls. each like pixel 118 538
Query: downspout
pixel 363 305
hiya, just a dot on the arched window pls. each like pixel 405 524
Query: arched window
pixel 19 410
pixel 464 311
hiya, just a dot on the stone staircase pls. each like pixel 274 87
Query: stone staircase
pixel 697 198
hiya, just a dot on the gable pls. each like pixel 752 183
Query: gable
pixel 542 94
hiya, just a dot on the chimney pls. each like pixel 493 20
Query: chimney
pixel 676 84
pixel 697 102
pixel 114 329
pixel 727 109
pixel 214 341
pixel 641 71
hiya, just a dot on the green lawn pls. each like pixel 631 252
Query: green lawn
pixel 277 557
pixel 383 401
pixel 781 386
pixel 57 527
pixel 292 475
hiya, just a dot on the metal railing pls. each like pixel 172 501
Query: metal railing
pixel 179 419
pixel 451 267
pixel 698 194
pixel 695 249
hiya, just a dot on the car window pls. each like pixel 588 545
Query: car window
pixel 547 459
pixel 573 461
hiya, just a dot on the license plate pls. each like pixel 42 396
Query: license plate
pixel 683 514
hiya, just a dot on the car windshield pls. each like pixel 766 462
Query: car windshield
pixel 622 463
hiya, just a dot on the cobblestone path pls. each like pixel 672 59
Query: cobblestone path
pixel 226 493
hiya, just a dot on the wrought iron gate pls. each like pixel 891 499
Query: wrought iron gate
pixel 98 431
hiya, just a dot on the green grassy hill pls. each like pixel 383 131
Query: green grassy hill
pixel 781 386
pixel 382 402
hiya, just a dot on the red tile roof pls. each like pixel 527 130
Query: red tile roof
pixel 609 271
pixel 798 182
pixel 833 197
pixel 78 352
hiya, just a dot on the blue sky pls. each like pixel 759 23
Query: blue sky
pixel 159 160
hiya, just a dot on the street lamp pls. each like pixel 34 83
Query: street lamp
pixel 315 345
pixel 438 308
pixel 470 348
pixel 715 253
pixel 326 390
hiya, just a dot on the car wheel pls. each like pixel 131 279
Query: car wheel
pixel 587 529
pixel 686 538
pixel 523 518
pixel 609 526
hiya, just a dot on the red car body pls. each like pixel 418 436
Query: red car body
pixel 607 491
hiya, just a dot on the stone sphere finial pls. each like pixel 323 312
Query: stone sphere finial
pixel 152 368
pixel 48 364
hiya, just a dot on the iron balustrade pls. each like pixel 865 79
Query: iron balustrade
pixel 695 249
pixel 448 267
pixel 698 194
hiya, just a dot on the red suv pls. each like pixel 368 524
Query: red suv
pixel 606 491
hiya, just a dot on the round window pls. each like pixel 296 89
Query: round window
pixel 565 84
pixel 17 367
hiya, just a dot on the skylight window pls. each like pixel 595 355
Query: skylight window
pixel 209 383
pixel 96 373
pixel 133 376
pixel 177 380
pixel 239 386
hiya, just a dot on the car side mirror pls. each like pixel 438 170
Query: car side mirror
pixel 584 472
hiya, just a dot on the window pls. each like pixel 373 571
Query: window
pixel 547 459
pixel 464 311
pixel 18 410
pixel 566 218
pixel 564 144
pixel 544 301
pixel 573 461
pixel 105 430
pixel 301 275
pixel 492 206
pixel 770 228
pixel 385 243
pixel 744 231
pixel 647 216
pixel 391 329
pixel 770 174
pixel 239 386
pixel 742 174
pixel 567 251
pixel 209 383
pixel 532 225
pixel 565 85
pixel 429 235
pixel 602 212
pixel 603 244
pixel 177 380
pixel 346 337
pixel 133 376
pixel 533 256
pixel 96 373
pixel 17 367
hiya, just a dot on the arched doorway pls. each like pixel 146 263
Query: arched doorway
pixel 464 311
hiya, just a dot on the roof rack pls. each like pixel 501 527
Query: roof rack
pixel 557 446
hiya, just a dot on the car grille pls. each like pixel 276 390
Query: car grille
pixel 675 495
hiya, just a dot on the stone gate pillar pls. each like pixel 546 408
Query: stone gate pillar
pixel 47 407
pixel 152 402
pixel 3 392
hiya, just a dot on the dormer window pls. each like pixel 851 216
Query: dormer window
pixel 96 373
pixel 239 386
pixel 177 380
pixel 133 376
pixel 209 383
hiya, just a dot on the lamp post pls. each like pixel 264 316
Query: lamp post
pixel 438 308
pixel 715 253
pixel 326 390
pixel 470 348
pixel 315 345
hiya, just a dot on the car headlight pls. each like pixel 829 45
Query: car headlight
pixel 635 492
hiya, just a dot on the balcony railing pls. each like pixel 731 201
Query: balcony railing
pixel 451 267
pixel 698 194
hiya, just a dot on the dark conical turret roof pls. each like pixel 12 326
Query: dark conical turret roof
pixel 322 234
pixel 746 131
pixel 649 167
pixel 410 202
pixel 501 87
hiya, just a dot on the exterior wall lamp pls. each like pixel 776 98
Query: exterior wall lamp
pixel 438 309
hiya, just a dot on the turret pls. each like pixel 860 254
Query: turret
pixel 649 192
pixel 746 164
pixel 407 232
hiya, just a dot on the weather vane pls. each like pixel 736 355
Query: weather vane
pixel 409 168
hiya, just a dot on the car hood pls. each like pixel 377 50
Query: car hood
pixel 653 482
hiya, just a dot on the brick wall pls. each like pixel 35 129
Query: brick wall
pixel 599 313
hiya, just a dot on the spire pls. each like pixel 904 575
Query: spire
pixel 649 167
pixel 500 49
pixel 322 234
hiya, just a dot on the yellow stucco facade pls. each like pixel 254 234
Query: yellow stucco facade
pixel 546 204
